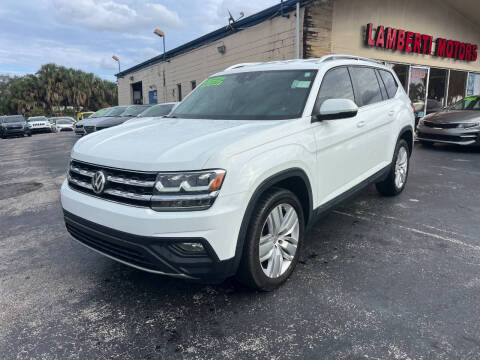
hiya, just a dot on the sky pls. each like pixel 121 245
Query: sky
pixel 84 34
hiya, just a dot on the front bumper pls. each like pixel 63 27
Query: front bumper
pixel 143 238
pixel 448 136
pixel 157 255
pixel 12 132
pixel 40 128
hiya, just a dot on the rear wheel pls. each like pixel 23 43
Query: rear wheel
pixel 397 177
pixel 273 241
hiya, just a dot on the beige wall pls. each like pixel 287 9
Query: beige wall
pixel 432 17
pixel 270 40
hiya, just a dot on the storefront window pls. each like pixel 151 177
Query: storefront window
pixel 418 89
pixel 437 88
pixel 473 84
pixel 456 86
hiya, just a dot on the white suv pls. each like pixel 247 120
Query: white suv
pixel 229 182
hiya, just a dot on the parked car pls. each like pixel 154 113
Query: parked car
pixel 79 130
pixel 63 123
pixel 159 110
pixel 229 182
pixel 130 112
pixel 13 125
pixel 40 124
pixel 458 124
pixel 90 124
pixel 84 115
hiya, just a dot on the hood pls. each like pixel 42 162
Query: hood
pixel 112 121
pixel 453 116
pixel 168 144
pixel 41 122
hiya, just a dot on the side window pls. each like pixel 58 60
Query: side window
pixel 382 85
pixel 390 83
pixel 366 84
pixel 336 84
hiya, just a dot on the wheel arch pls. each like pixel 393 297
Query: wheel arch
pixel 293 179
pixel 406 133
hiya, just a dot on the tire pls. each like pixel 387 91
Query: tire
pixel 390 186
pixel 283 257
pixel 426 143
pixel 29 134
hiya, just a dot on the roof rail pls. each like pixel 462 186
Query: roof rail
pixel 348 57
pixel 242 65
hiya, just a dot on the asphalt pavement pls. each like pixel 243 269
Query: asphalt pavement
pixel 379 278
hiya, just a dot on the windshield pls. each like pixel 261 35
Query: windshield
pixel 157 110
pixel 259 95
pixel 468 103
pixel 11 119
pixel 134 110
pixel 100 113
pixel 86 116
pixel 114 111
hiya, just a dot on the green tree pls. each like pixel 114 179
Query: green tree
pixel 56 90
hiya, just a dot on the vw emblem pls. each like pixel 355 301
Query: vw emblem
pixel 98 182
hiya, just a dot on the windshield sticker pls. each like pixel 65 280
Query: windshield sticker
pixel 307 74
pixel 473 98
pixel 303 84
pixel 216 81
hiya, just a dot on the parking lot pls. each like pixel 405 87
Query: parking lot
pixel 379 278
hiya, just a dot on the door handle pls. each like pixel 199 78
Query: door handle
pixel 361 124
pixel 391 113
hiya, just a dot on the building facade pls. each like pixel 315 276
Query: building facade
pixel 431 44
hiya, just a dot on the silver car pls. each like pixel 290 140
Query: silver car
pixel 458 124
pixel 63 123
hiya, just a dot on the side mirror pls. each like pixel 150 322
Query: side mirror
pixel 332 109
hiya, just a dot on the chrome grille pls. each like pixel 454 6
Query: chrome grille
pixel 440 125
pixel 124 186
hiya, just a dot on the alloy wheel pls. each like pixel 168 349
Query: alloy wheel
pixel 279 240
pixel 401 167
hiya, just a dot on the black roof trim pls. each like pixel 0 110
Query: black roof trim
pixel 267 14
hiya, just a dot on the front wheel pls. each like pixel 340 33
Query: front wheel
pixel 274 238
pixel 397 177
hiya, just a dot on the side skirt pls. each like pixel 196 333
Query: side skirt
pixel 324 209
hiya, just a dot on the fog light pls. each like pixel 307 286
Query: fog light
pixel 191 247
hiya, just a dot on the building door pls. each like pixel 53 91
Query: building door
pixel 456 86
pixel 417 89
pixel 402 73
pixel 152 97
pixel 437 90
pixel 137 95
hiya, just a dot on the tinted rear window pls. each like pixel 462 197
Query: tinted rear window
pixel 366 84
pixel 390 83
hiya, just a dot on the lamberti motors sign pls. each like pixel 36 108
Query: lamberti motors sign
pixel 412 42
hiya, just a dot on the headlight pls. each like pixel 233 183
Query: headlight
pixel 184 191
pixel 468 125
